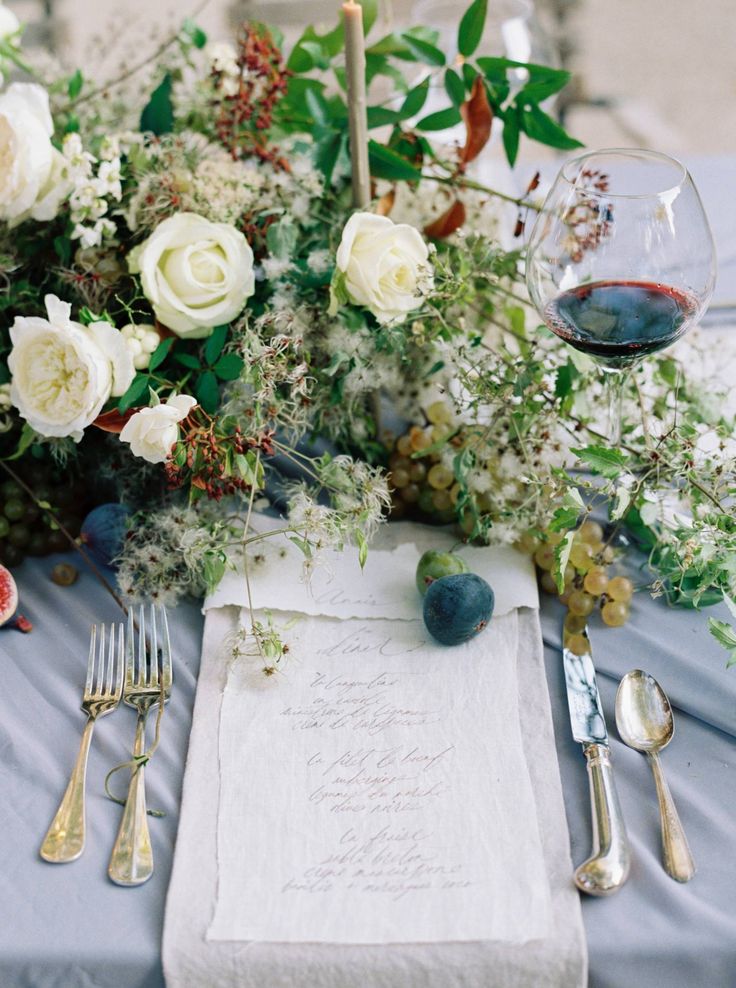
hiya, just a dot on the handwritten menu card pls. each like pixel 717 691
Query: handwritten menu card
pixel 377 791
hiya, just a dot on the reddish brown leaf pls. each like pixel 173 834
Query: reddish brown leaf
pixel 452 219
pixel 478 116
pixel 386 203
pixel 113 421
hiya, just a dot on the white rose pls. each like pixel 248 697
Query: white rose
pixel 153 431
pixel 9 23
pixel 196 274
pixel 385 266
pixel 63 372
pixel 33 179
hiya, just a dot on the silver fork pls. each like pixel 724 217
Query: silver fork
pixel 131 861
pixel 65 838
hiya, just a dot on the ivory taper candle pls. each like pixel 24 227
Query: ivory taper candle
pixel 357 107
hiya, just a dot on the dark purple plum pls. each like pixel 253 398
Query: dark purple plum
pixel 458 607
pixel 104 530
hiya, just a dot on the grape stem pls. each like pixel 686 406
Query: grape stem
pixel 67 535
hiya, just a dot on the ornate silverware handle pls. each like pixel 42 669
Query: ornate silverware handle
pixel 65 837
pixel 131 861
pixel 676 857
pixel 607 868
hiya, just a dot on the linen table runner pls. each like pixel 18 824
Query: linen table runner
pixel 377 793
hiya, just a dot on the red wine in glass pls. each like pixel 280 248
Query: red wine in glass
pixel 617 322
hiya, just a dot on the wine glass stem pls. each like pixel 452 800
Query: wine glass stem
pixel 615 383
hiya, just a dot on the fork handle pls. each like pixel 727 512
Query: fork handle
pixel 65 837
pixel 131 861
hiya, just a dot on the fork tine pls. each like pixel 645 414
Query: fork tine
pixel 166 670
pixel 153 676
pixel 141 677
pixel 100 665
pixel 130 651
pixel 91 661
pixel 120 666
pixel 110 661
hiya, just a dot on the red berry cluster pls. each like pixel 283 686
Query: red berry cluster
pixel 206 457
pixel 245 117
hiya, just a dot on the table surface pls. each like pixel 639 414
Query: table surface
pixel 68 926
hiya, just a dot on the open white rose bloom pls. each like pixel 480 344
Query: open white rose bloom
pixel 33 173
pixel 195 273
pixel 385 265
pixel 152 432
pixel 63 372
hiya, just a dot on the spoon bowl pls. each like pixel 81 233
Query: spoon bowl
pixel 643 713
pixel 645 722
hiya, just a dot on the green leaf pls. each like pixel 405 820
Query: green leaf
pixel 281 237
pixel 161 353
pixel 380 116
pixel 455 87
pixel 603 461
pixel 27 437
pixel 385 163
pixel 511 131
pixel 229 367
pixel 541 89
pixel 215 343
pixel 564 519
pixel 370 13
pixel 471 27
pixel 415 100
pixel 541 127
pixel 317 106
pixel 188 360
pixel 362 549
pixel 207 392
pixel 74 86
pixel 725 635
pixel 158 114
pixel 441 120
pixel 423 51
pixel 326 153
pixel 562 558
pixel 193 33
pixel 135 392
pixel 621 502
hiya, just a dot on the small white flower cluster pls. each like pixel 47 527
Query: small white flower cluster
pixel 187 174
pixel 359 499
pixel 141 340
pixel 96 183
pixel 223 59
pixel 163 559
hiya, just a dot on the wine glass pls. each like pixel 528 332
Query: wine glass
pixel 621 261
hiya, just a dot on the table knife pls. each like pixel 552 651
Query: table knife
pixel 607 868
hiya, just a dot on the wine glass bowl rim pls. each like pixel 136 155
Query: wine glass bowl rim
pixel 572 169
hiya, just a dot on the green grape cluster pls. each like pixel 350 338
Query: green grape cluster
pixel 27 529
pixel 422 486
pixel 588 584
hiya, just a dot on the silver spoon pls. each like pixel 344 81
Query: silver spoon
pixel 644 721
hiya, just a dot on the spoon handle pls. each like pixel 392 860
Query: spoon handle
pixel 676 857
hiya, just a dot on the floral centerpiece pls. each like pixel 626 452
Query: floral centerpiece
pixel 190 300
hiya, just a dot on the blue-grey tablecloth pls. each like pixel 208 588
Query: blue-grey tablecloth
pixel 67 926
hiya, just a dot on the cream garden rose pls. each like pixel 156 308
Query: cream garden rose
pixel 196 274
pixel 33 173
pixel 152 431
pixel 63 372
pixel 385 266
